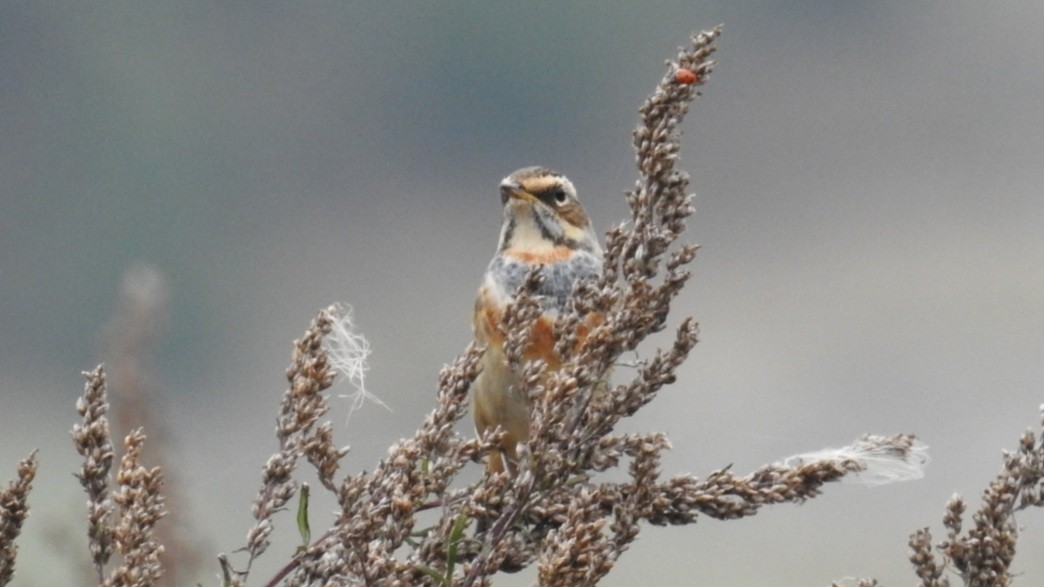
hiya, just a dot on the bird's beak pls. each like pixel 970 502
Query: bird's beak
pixel 510 189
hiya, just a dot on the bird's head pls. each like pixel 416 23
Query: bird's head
pixel 542 213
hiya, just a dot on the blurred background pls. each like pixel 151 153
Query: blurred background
pixel 184 185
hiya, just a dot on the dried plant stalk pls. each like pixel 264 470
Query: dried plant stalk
pixel 139 507
pixel 92 441
pixel 303 404
pixel 14 509
pixel 982 555
pixel 123 522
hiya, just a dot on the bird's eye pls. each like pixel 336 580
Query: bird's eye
pixel 560 196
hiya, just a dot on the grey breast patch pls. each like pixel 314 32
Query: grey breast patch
pixel 559 278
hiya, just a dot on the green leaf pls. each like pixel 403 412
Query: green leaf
pixel 454 538
pixel 302 519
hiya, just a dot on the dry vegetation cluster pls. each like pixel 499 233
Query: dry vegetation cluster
pixel 556 511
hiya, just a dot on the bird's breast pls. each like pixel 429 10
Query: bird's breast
pixel 505 275
pixel 508 271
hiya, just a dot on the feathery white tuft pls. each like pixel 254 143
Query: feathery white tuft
pixel 843 581
pixel 348 350
pixel 881 459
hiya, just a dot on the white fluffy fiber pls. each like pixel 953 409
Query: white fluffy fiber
pixel 882 462
pixel 348 351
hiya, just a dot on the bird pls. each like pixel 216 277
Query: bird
pixel 544 226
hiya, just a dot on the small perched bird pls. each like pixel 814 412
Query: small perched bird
pixel 544 225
